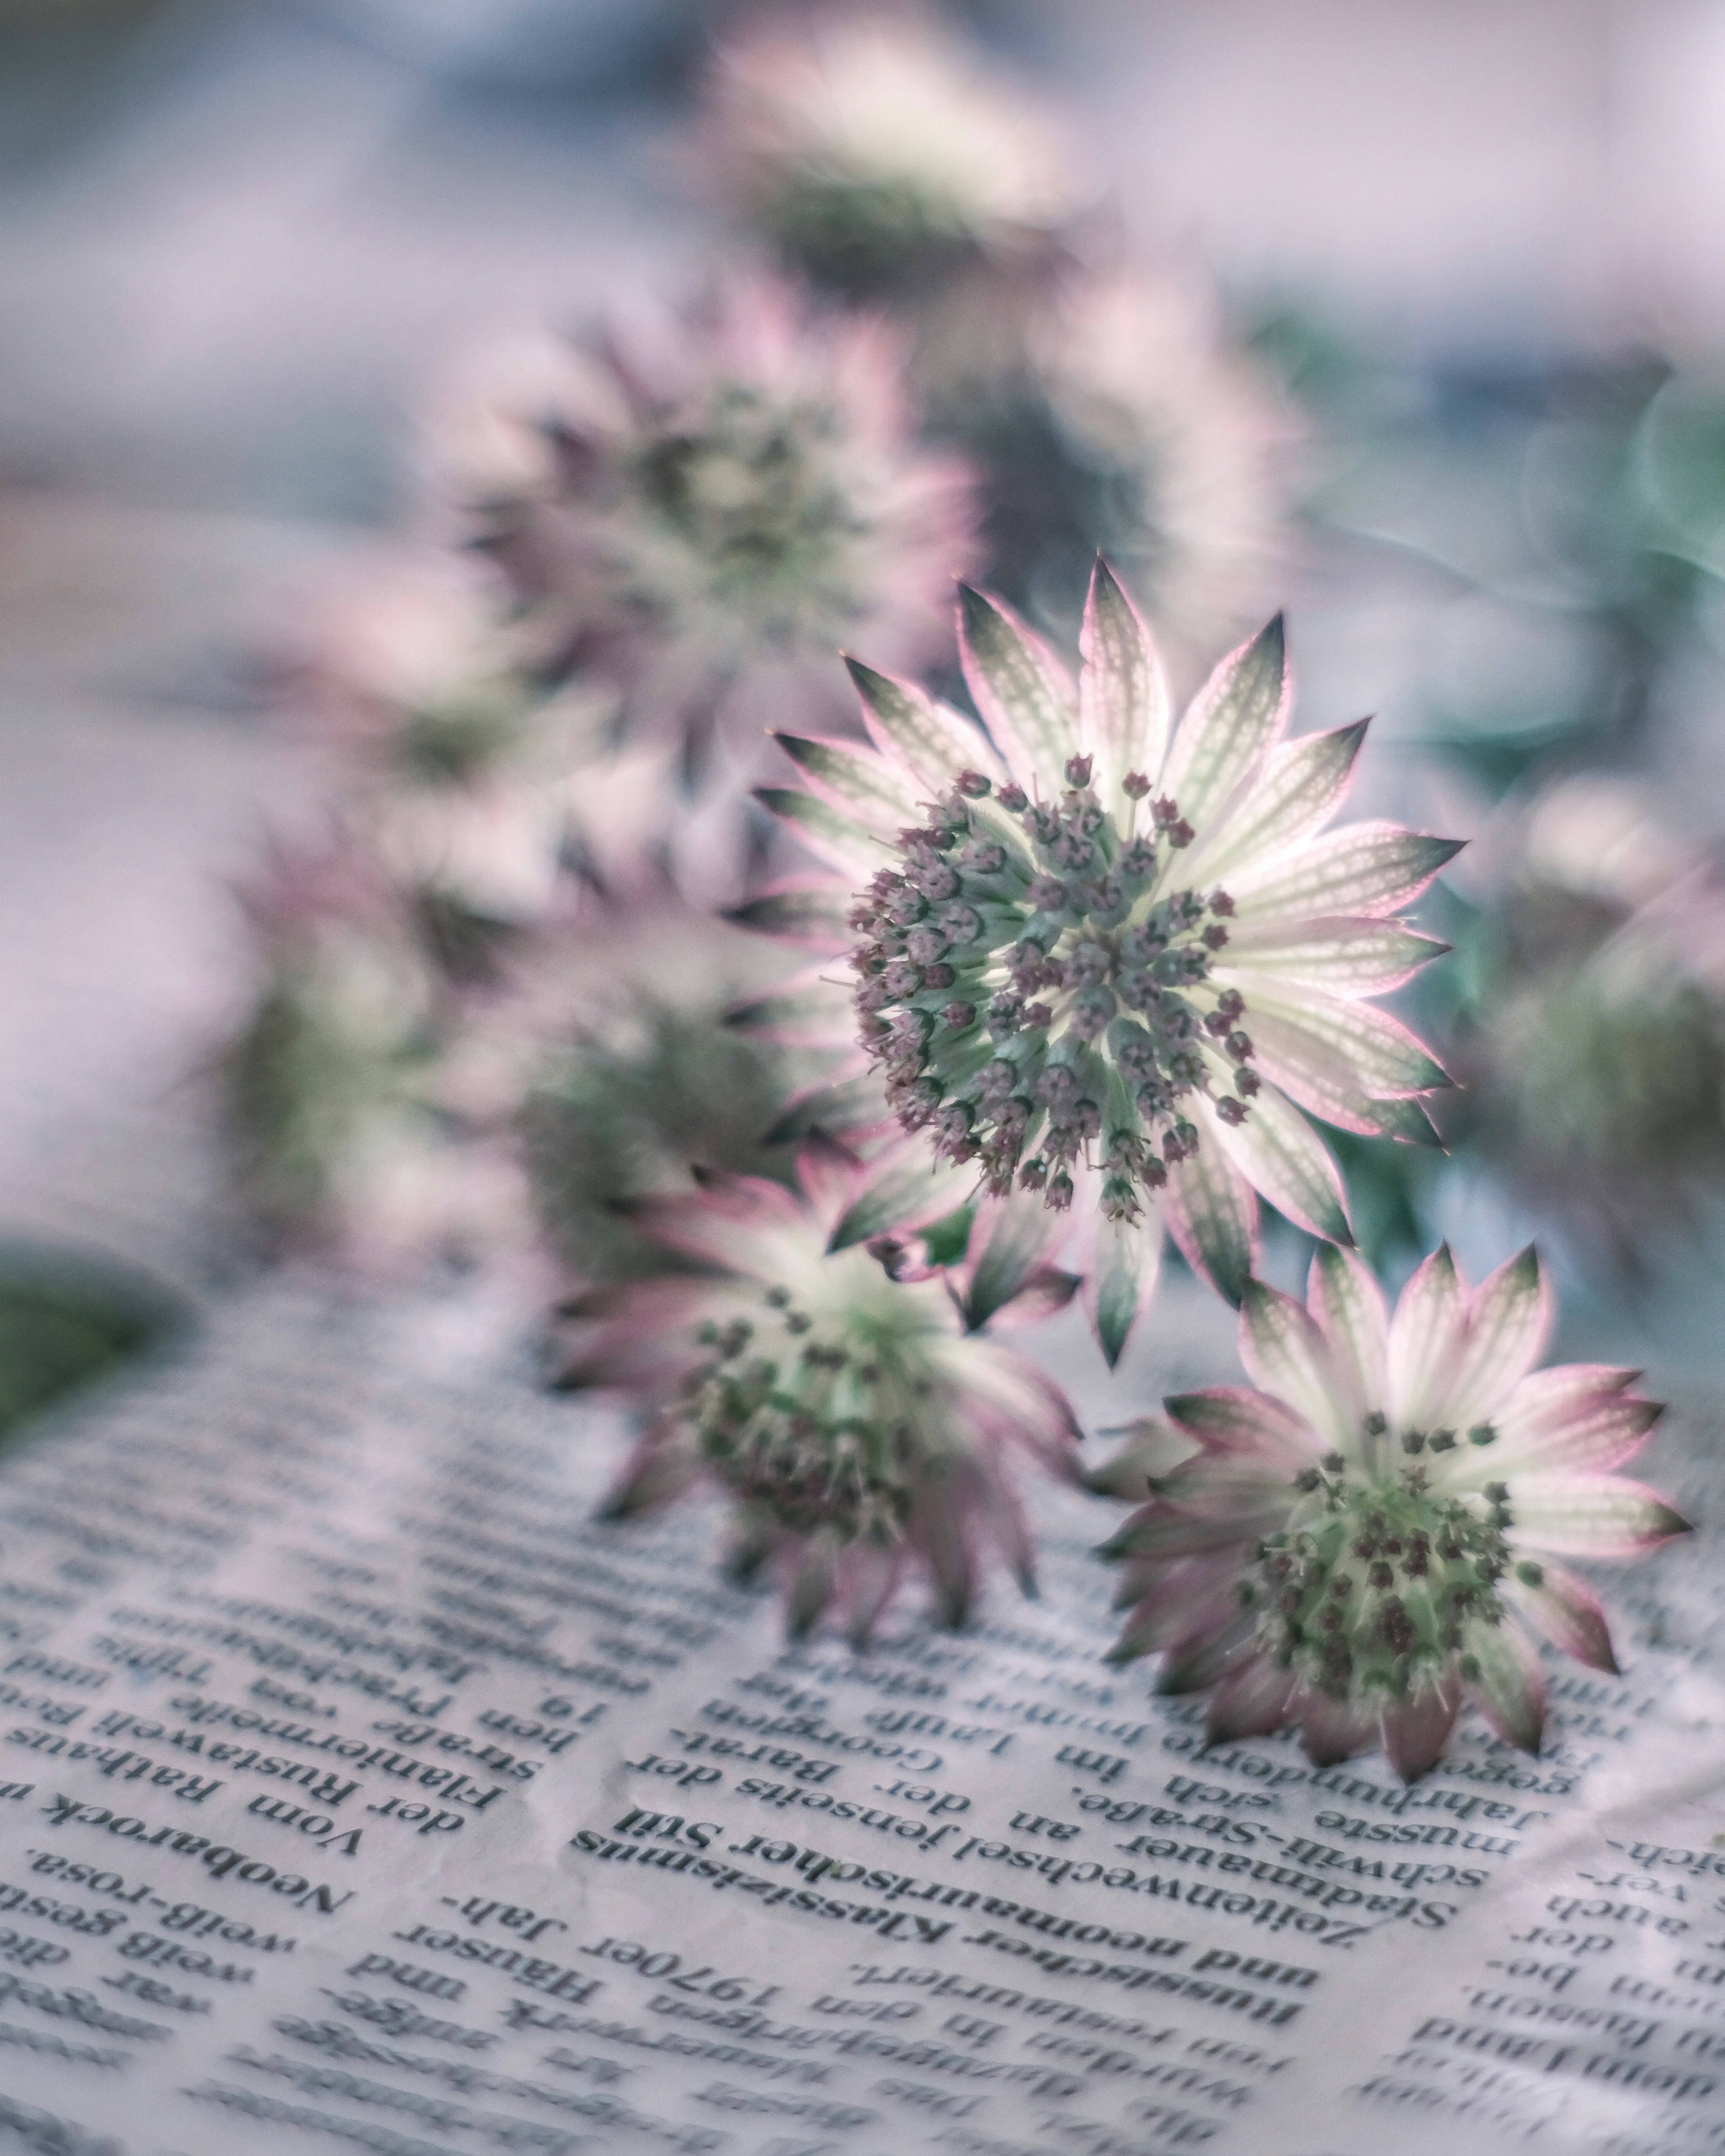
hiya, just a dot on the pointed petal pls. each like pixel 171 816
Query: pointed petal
pixel 857 783
pixel 801 910
pixel 1312 1072
pixel 1332 1730
pixel 1008 1243
pixel 1026 697
pixel 1365 1047
pixel 1286 1353
pixel 1230 1485
pixel 852 1107
pixel 1151 1447
pixel 1234 717
pixel 810 1011
pixel 1371 868
pixel 1416 1731
pixel 1122 692
pixel 1210 1211
pixel 906 1189
pixel 838 839
pixel 1189 1587
pixel 1509 1321
pixel 1349 955
pixel 1230 1419
pixel 1589 1515
pixel 1282 1156
pixel 934 742
pixel 829 1173
pixel 1297 789
pixel 1565 1610
pixel 811 1589
pixel 1196 1662
pixel 657 1470
pixel 1510 1688
pixel 1344 1299
pixel 1250 1702
pixel 1121 1279
pixel 1424 1339
pixel 1592 1436
pixel 1155 1532
pixel 738 1223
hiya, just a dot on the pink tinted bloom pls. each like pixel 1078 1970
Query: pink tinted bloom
pixel 1373 1535
pixel 1108 957
pixel 724 499
pixel 863 1434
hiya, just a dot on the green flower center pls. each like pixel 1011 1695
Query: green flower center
pixel 754 507
pixel 1368 1592
pixel 809 1421
pixel 1034 996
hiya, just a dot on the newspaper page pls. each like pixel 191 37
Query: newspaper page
pixel 358 1790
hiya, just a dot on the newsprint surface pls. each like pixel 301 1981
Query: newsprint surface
pixel 357 1793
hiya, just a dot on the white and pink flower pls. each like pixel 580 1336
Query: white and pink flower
pixel 1375 1533
pixel 861 1428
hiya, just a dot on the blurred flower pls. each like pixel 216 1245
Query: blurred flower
pixel 1128 426
pixel 862 1436
pixel 630 1111
pixel 1348 1548
pixel 360 1124
pixel 1108 968
pixel 1593 1043
pixel 876 153
pixel 726 502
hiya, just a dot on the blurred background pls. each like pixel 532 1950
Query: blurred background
pixel 1425 329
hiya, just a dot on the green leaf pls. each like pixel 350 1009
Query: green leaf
pixel 1027 700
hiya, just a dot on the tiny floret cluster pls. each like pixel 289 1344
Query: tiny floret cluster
pixel 1375 1534
pixel 860 1432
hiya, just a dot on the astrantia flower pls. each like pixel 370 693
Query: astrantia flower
pixel 360 1114
pixel 862 1436
pixel 1372 1536
pixel 1106 967
pixel 721 504
pixel 1593 1045
pixel 874 152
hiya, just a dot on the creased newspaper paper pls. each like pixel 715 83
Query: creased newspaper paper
pixel 358 1791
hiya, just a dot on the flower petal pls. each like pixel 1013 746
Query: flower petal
pixel 1010 1241
pixel 907 1189
pixel 1509 1321
pixel 1281 1156
pixel 1122 692
pixel 1424 1339
pixel 934 742
pixel 810 1010
pixel 1189 1589
pixel 1416 1730
pixel 1228 724
pixel 1286 1354
pixel 1154 1531
pixel 1314 1073
pixel 838 839
pixel 830 1174
pixel 865 786
pixel 1343 1296
pixel 1548 1401
pixel 1363 868
pixel 1363 1045
pixel 1348 954
pixel 852 1107
pixel 1589 1515
pixel 1298 787
pixel 1121 1278
pixel 1250 1702
pixel 1026 697
pixel 800 910
pixel 1599 1433
pixel 1231 1419
pixel 1201 1658
pixel 1510 1688
pixel 1565 1610
pixel 1212 1215
pixel 1331 1730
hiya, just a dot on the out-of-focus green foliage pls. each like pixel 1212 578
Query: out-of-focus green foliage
pixel 67 1322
